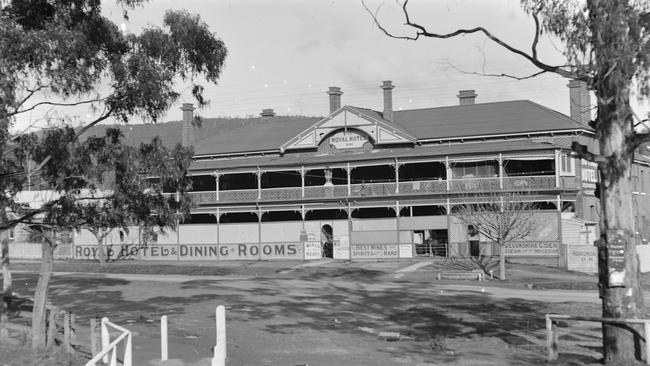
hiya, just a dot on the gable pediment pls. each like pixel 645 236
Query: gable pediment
pixel 378 130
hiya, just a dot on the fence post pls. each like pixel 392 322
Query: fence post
pixel 128 355
pixel 551 339
pixel 93 336
pixel 646 335
pixel 219 358
pixel 51 328
pixel 73 329
pixel 105 338
pixel 66 331
pixel 163 338
pixel 555 339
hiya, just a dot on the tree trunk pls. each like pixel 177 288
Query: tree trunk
pixel 101 253
pixel 618 272
pixel 618 264
pixel 39 313
pixel 6 275
pixel 502 263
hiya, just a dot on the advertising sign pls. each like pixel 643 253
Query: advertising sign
pixel 374 251
pixel 282 251
pixel 531 249
pixel 312 250
pixel 151 252
pixel 582 258
pixel 342 247
pixel 265 251
pixel 348 140
pixel 589 176
pixel 616 260
pixel 406 250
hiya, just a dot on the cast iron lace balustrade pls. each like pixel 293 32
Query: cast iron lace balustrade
pixel 408 188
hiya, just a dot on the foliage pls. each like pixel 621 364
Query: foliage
pixel 67 48
pixel 85 196
pixel 102 184
pixel 65 53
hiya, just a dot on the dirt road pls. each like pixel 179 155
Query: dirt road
pixel 351 316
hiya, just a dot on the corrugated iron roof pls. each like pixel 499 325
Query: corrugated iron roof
pixel 226 131
pixel 265 134
pixel 240 135
pixel 519 116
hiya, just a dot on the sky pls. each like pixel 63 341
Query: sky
pixel 284 54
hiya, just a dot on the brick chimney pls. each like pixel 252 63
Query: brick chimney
pixel 466 97
pixel 388 86
pixel 267 112
pixel 579 101
pixel 188 126
pixel 335 98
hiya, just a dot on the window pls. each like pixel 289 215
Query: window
pixel 567 165
pixel 11 234
pixel 479 169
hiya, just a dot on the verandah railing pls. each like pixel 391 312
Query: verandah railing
pixel 464 185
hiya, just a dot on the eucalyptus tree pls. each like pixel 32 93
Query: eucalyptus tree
pixel 101 184
pixel 59 54
pixel 606 44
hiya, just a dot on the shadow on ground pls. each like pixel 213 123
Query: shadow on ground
pixel 440 326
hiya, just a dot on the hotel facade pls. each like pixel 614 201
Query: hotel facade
pixel 365 184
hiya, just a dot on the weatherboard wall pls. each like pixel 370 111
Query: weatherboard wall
pixel 387 238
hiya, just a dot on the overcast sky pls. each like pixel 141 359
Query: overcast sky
pixel 284 54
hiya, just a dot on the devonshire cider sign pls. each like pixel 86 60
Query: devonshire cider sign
pixel 348 140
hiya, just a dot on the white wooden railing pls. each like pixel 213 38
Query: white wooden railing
pixel 219 357
pixel 109 351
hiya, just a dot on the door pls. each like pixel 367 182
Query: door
pixel 327 241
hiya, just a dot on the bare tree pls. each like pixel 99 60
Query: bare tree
pixel 502 218
pixel 606 44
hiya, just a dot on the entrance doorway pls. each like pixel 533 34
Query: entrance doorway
pixel 327 241
pixel 430 243
pixel 474 241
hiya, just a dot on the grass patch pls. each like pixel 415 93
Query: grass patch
pixel 22 355
pixel 130 267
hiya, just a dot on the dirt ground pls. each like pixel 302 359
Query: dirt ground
pixel 335 313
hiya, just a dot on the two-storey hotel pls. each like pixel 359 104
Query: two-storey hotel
pixel 366 184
